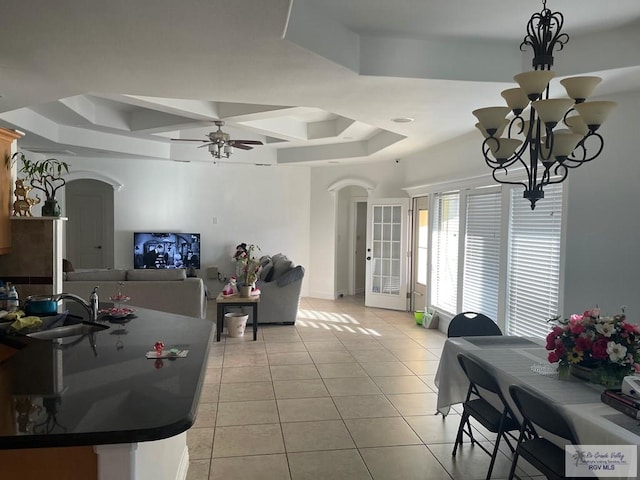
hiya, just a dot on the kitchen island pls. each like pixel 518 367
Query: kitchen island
pixel 99 401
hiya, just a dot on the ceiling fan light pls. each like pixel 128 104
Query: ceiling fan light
pixel 580 88
pixel 535 82
pixel 503 148
pixel 516 99
pixel 595 113
pixel 491 118
pixel 552 110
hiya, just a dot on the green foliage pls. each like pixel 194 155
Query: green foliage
pixel 43 175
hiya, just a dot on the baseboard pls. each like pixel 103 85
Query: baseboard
pixel 322 295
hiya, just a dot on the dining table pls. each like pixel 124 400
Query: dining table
pixel 523 361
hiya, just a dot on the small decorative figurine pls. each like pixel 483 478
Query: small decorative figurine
pixel 22 205
pixel 159 346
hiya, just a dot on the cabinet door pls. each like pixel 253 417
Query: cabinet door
pixel 7 137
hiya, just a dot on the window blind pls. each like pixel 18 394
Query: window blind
pixel 444 281
pixel 481 278
pixel 533 270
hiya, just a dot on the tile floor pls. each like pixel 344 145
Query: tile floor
pixel 346 393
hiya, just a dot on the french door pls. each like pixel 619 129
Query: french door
pixel 386 270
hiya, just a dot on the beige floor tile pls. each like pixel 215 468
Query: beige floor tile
pixel 198 470
pixel 300 389
pixel 435 428
pixel 429 380
pixel 206 415
pixel 402 384
pixel 340 370
pixel 328 465
pixel 258 373
pixel 411 404
pixel 212 376
pixel 245 359
pixel 294 372
pixel 237 392
pixel 289 358
pixel 209 393
pixel 285 347
pixel 307 409
pixel 247 413
pixel 470 462
pixel 323 435
pixel 247 440
pixel 423 367
pixel 365 406
pixel 332 357
pixel 351 386
pixel 415 354
pixel 257 467
pixel 381 432
pixel 381 369
pixel 413 462
pixel 199 442
pixel 326 346
pixel 373 356
pixel 215 361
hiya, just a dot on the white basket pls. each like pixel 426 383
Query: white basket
pixel 236 323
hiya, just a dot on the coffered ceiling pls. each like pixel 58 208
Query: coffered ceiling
pixel 318 81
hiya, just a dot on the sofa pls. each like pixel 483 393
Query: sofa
pixel 280 284
pixel 167 290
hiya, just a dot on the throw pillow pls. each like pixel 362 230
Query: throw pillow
pixel 281 266
pixel 267 271
pixel 291 276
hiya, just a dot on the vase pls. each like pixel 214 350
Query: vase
pixel 564 372
pixel 51 208
pixel 610 378
pixel 245 291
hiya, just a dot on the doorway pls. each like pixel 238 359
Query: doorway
pixel 90 228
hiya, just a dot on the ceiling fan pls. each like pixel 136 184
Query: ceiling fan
pixel 220 144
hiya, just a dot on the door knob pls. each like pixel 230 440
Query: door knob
pixel 368 258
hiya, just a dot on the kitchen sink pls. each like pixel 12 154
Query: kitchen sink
pixel 75 330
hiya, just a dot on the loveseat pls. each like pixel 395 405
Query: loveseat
pixel 280 284
pixel 165 290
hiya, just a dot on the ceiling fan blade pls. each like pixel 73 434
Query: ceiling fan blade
pixel 248 142
pixel 186 140
pixel 241 146
pixel 206 144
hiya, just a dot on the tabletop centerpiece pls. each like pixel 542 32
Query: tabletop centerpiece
pixel 248 268
pixel 602 349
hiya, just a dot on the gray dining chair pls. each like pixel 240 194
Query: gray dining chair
pixel 472 324
pixel 499 420
pixel 538 411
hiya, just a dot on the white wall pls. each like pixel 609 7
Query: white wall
pixel 268 206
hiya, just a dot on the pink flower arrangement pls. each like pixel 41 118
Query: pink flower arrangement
pixel 608 344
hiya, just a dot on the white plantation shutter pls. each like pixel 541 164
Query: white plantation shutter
pixel 482 254
pixel 444 280
pixel 533 270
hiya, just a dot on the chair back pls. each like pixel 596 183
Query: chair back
pixel 471 324
pixel 477 374
pixel 542 412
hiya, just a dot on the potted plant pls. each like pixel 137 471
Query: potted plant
pixel 46 176
pixel 248 267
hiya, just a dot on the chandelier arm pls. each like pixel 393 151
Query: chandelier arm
pixel 562 176
pixel 572 162
pixel 506 182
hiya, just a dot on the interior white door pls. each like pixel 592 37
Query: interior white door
pixel 89 206
pixel 386 281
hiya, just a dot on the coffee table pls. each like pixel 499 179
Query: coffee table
pixel 224 301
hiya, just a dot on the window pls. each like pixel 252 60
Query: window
pixel 423 246
pixel 444 284
pixel 481 279
pixel 533 270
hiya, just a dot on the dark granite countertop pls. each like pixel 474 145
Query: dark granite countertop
pixel 80 392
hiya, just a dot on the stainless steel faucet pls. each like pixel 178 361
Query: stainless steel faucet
pixel 91 306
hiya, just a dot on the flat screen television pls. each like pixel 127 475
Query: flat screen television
pixel 166 250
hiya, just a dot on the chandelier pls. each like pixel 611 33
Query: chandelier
pixel 546 136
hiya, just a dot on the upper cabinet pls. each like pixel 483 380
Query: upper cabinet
pixel 7 138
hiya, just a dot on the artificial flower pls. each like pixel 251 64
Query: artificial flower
pixel 616 351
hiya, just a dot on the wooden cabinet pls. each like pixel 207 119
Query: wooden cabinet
pixel 7 137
